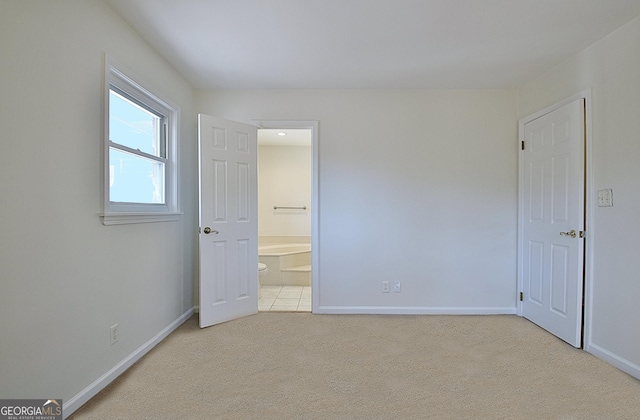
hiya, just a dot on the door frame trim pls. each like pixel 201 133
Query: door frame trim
pixel 315 192
pixel 588 209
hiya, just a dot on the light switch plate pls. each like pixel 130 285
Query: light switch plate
pixel 605 198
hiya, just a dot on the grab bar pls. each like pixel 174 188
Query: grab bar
pixel 290 208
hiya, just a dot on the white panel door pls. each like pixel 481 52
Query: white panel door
pixel 228 220
pixel 551 245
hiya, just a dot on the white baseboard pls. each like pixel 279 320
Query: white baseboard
pixel 70 406
pixel 617 361
pixel 417 310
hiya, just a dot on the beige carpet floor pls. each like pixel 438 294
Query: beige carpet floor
pixel 304 366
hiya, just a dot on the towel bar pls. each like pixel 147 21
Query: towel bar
pixel 290 208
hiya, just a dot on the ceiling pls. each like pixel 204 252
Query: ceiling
pixel 373 44
pixel 291 137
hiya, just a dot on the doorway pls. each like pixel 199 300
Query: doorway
pixel 288 215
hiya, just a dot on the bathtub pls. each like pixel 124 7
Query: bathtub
pixel 276 250
pixel 287 264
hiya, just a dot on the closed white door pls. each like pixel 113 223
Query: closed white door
pixel 228 220
pixel 552 244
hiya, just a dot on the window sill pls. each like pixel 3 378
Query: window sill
pixel 109 219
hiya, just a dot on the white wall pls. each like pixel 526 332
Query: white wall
pixel 65 277
pixel 418 186
pixel 284 179
pixel 611 68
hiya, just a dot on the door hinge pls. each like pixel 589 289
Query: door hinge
pixel 521 296
pixel 522 144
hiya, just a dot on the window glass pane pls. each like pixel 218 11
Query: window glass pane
pixel 133 126
pixel 135 179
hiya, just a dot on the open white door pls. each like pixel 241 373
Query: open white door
pixel 228 220
pixel 552 212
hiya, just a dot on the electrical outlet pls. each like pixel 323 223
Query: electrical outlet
pixel 385 287
pixel 605 198
pixel 397 287
pixel 113 334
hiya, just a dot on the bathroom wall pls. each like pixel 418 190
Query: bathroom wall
pixel 66 278
pixel 611 69
pixel 284 179
pixel 418 186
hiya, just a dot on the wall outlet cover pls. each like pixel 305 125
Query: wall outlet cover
pixel 113 334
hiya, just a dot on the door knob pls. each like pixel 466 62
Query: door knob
pixel 208 230
pixel 571 233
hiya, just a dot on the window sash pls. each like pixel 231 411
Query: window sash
pixel 148 106
pixel 146 172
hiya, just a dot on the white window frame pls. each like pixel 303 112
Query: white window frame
pixel 116 213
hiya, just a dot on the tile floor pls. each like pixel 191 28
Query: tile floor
pixel 285 299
